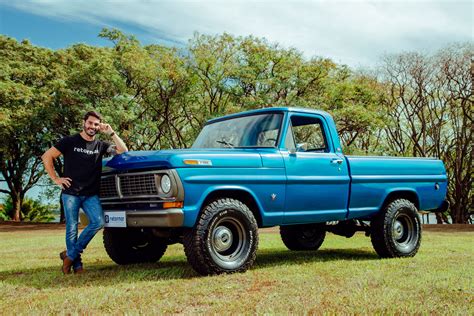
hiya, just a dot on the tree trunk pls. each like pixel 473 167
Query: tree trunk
pixel 16 201
pixel 457 214
pixel 439 219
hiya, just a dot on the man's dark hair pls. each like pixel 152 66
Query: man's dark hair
pixel 94 114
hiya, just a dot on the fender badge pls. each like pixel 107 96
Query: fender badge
pixel 198 162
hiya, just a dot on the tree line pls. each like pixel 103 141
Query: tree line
pixel 159 97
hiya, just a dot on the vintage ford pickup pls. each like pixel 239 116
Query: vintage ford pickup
pixel 270 167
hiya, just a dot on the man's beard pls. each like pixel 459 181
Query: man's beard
pixel 90 131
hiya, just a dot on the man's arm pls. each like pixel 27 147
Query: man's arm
pixel 120 145
pixel 48 162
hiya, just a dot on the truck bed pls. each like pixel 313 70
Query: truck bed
pixel 374 178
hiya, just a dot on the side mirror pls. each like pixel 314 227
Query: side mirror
pixel 299 148
pixel 302 147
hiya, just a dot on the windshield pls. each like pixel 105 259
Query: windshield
pixel 248 131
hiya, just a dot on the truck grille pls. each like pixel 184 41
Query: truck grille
pixel 138 185
pixel 108 188
pixel 129 185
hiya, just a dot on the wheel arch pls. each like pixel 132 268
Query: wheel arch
pixel 240 194
pixel 409 195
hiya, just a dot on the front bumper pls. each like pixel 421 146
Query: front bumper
pixel 172 217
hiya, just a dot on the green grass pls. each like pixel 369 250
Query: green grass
pixel 344 276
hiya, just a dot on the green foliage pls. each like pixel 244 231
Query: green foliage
pixel 3 215
pixel 31 210
pixel 28 80
pixel 160 97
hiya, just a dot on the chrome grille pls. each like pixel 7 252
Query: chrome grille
pixel 108 187
pixel 139 187
pixel 143 184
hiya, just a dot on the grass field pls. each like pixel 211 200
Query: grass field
pixel 344 276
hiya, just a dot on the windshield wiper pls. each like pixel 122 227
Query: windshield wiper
pixel 225 143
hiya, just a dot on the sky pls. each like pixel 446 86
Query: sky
pixel 357 33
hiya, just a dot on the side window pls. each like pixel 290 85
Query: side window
pixel 267 138
pixel 309 134
pixel 289 139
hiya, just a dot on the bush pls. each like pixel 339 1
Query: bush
pixel 31 210
pixel 3 216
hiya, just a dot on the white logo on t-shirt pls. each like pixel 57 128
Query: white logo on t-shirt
pixel 86 151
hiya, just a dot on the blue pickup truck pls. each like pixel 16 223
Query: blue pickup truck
pixel 269 167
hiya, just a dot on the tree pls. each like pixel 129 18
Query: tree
pixel 430 111
pixel 454 78
pixel 156 81
pixel 43 95
pixel 354 101
pixel 26 81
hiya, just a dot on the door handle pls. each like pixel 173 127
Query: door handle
pixel 336 161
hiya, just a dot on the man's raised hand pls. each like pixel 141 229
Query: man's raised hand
pixel 106 128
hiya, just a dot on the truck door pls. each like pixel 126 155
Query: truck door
pixel 318 180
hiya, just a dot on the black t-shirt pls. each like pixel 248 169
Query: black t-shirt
pixel 82 163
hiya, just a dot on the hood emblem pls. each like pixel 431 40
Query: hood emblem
pixel 273 196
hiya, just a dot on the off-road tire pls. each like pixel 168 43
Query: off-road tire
pixel 224 239
pixel 131 245
pixel 303 237
pixel 396 230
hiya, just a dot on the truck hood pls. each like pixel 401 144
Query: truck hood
pixel 167 159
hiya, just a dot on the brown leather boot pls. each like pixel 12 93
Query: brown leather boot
pixel 67 264
pixel 79 270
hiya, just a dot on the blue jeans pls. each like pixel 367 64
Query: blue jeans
pixel 92 208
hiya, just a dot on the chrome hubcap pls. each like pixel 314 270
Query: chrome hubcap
pixel 405 232
pixel 229 243
pixel 222 238
pixel 398 230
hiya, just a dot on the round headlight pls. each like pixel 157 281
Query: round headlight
pixel 165 183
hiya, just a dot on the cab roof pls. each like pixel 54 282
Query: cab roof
pixel 270 110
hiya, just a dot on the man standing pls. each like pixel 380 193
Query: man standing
pixel 81 183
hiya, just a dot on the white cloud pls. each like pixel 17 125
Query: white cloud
pixel 352 32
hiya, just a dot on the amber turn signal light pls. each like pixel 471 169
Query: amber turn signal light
pixel 172 204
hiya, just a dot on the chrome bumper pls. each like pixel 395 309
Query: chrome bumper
pixel 172 217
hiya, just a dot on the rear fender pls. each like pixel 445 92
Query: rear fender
pixel 401 193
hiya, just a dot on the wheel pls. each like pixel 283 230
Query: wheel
pixel 396 230
pixel 303 237
pixel 224 240
pixel 127 245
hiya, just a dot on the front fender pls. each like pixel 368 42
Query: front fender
pixel 191 212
